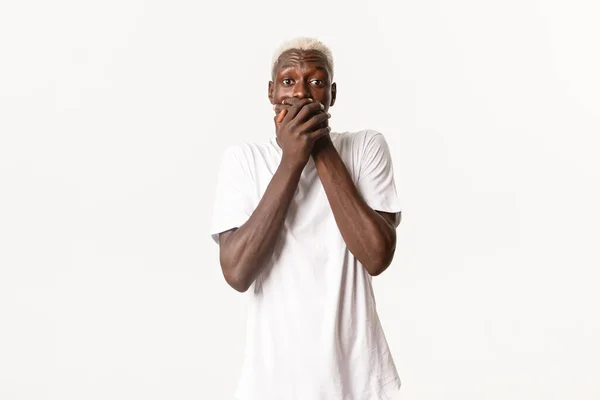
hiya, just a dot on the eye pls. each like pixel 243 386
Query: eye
pixel 318 82
pixel 286 81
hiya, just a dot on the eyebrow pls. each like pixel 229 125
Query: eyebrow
pixel 285 66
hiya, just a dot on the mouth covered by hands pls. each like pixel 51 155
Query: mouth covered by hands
pixel 299 124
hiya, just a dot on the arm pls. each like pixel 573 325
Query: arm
pixel 369 235
pixel 244 251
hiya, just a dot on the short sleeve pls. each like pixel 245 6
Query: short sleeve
pixel 233 203
pixel 376 181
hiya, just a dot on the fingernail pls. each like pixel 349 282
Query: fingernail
pixel 329 115
pixel 274 106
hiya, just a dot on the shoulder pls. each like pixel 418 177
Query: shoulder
pixel 245 152
pixel 239 149
pixel 361 137
pixel 361 141
pixel 248 158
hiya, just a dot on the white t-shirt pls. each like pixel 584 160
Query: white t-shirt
pixel 313 332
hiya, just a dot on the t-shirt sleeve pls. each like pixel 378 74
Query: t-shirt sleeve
pixel 233 202
pixel 376 177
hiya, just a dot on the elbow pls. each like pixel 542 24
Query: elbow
pixel 375 269
pixel 236 280
pixel 240 287
pixel 232 269
pixel 382 252
pixel 380 262
pixel 233 273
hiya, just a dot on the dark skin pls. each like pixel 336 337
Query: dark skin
pixel 301 93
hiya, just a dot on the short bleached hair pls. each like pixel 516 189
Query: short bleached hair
pixel 306 44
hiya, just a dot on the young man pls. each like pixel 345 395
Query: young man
pixel 304 220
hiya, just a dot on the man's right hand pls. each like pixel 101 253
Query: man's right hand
pixel 299 125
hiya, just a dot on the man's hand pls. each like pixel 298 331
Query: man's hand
pixel 299 124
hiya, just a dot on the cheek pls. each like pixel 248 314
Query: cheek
pixel 323 96
pixel 281 93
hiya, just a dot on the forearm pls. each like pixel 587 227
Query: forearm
pixel 369 237
pixel 246 250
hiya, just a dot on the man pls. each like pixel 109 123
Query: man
pixel 304 221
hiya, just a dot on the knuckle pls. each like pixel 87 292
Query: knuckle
pixel 303 102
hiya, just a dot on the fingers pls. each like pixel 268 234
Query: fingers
pixel 318 133
pixel 290 101
pixel 279 107
pixel 315 121
pixel 303 115
pixel 294 101
pixel 306 115
pixel 300 109
pixel 308 111
pixel 295 107
pixel 285 104
pixel 280 116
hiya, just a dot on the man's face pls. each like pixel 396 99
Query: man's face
pixel 302 74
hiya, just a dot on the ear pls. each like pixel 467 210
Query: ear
pixel 333 93
pixel 271 91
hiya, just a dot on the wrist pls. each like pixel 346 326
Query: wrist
pixel 321 146
pixel 291 167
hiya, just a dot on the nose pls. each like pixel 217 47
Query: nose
pixel 301 90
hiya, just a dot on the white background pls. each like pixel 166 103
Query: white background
pixel 114 116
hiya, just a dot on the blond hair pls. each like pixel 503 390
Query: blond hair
pixel 306 44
